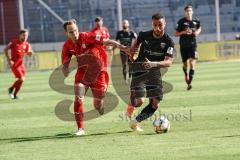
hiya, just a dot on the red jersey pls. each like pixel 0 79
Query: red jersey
pixel 18 49
pixel 102 32
pixel 88 42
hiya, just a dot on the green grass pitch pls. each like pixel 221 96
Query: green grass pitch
pixel 205 121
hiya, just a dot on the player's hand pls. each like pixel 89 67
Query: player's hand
pixel 10 63
pixel 131 58
pixel 189 31
pixel 148 64
pixel 65 71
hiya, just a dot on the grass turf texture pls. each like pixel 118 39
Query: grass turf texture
pixel 206 123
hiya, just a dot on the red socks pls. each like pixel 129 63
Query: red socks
pixel 78 111
pixel 17 86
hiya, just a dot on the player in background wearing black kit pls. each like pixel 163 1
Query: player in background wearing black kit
pixel 125 37
pixel 156 52
pixel 188 28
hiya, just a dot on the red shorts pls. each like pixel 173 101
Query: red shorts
pixel 98 83
pixel 18 71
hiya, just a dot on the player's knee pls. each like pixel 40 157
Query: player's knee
pixel 139 102
pixel 98 103
pixel 22 79
pixel 78 98
pixel 185 64
pixel 155 103
pixel 192 63
pixel 79 90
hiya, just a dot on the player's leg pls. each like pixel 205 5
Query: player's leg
pixel 185 71
pixel 137 100
pixel 98 100
pixel 134 102
pixel 148 110
pixel 184 57
pixel 15 88
pixel 137 94
pixel 155 95
pixel 19 83
pixel 99 89
pixel 79 91
pixel 129 69
pixel 192 64
pixel 124 60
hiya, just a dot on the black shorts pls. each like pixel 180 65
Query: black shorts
pixel 188 52
pixel 147 84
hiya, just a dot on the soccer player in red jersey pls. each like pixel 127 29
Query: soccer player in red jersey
pixel 91 72
pixel 102 31
pixel 99 29
pixel 19 47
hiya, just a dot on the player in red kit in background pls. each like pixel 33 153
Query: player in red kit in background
pixel 102 31
pixel 88 48
pixel 19 47
pixel 99 29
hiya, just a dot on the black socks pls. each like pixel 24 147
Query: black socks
pixel 147 112
pixel 191 73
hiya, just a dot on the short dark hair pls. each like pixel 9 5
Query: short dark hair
pixel 69 22
pixel 98 18
pixel 23 31
pixel 187 6
pixel 158 16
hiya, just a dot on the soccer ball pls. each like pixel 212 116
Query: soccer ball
pixel 161 125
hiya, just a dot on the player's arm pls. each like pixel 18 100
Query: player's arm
pixel 65 70
pixel 29 51
pixel 117 39
pixel 197 32
pixel 167 62
pixel 66 58
pixel 116 44
pixel 134 47
pixel 180 33
pixel 8 47
pixel 134 36
pixel 136 42
pixel 99 40
pixel 179 30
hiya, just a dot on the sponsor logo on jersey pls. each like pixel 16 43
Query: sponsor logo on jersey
pixel 162 45
pixel 98 37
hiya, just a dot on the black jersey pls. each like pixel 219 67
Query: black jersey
pixel 126 38
pixel 154 49
pixel 188 40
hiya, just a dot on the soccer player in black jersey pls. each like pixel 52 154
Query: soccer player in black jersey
pixel 188 28
pixel 156 52
pixel 125 37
